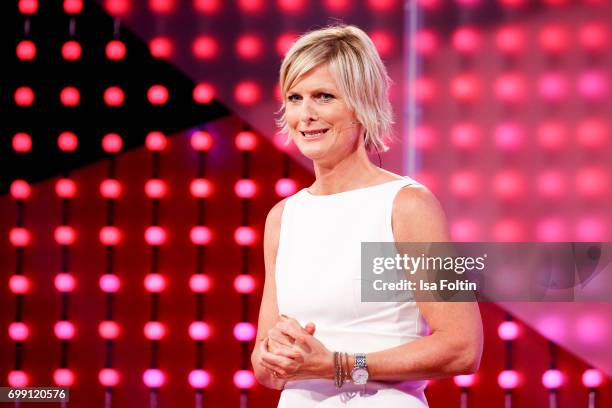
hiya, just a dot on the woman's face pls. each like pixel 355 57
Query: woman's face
pixel 320 123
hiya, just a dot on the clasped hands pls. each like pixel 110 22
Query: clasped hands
pixel 291 352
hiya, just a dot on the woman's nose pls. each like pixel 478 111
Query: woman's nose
pixel 309 112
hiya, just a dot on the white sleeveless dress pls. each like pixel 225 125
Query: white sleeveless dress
pixel 318 278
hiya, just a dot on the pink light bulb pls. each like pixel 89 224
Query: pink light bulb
pixel 551 184
pixel 205 47
pixel 162 6
pixel 20 237
pixel 70 96
pixel 465 88
pixel 510 39
pixel 244 331
pixel 465 136
pixel 109 330
pixel 156 188
pixel 247 93
pixel 114 96
pixel 201 140
pixel 109 283
pixel 551 230
pixel 509 136
pixel 592 378
pixel 552 135
pixel 199 379
pixel 154 378
pixel 249 46
pixel 73 6
pixel 246 141
pixel 65 188
pixel 64 330
pixel 207 6
pixel 24 96
pixel 508 379
pixel 115 50
pixel 465 184
pixel 508 184
pixel 155 235
pixel 554 39
pixel 592 182
pixel 424 89
pixel 284 43
pixel 552 379
pixel 508 330
pixel 199 331
pixel 465 230
pixel 244 379
pixel 155 282
pixel 161 47
pixel 383 41
pixel 510 88
pixel 245 188
pixel 158 95
pixel 117 8
pixel 22 142
pixel 593 84
pixel 466 40
pixel 19 331
pixel 64 282
pixel 426 42
pixel 154 331
pixel 200 235
pixel 112 143
pixel 508 230
pixel 19 284
pixel 63 377
pixel 464 381
pixel 201 188
pixel 156 141
pixel 71 50
pixel 109 377
pixel 553 86
pixel 592 133
pixel 199 283
pixel 110 188
pixel 244 284
pixel 20 190
pixel 67 141
pixel 245 236
pixel 590 229
pixel 18 379
pixel 203 93
pixel 110 235
pixel 26 50
pixel 65 235
pixel 593 36
pixel 285 187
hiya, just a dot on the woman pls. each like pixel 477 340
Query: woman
pixel 326 348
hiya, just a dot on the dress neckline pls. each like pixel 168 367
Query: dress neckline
pixel 309 194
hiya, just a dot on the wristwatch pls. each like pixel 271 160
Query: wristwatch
pixel 360 371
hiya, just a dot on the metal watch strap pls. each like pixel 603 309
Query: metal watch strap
pixel 360 360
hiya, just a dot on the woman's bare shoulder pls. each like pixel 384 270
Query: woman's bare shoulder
pixel 418 215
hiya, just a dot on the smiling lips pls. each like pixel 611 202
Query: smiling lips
pixel 313 134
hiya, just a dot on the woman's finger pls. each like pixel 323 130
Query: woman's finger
pixel 279 337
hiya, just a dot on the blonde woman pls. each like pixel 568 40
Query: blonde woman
pixel 316 340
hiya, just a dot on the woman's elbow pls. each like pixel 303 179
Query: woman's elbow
pixel 468 359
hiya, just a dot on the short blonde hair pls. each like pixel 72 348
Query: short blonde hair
pixel 359 72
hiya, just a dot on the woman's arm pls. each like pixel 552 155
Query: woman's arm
pixel 455 343
pixel 268 311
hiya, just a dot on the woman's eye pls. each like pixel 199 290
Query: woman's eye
pixel 326 96
pixel 293 98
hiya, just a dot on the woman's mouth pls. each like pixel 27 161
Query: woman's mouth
pixel 313 134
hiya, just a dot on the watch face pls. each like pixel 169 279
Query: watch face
pixel 360 376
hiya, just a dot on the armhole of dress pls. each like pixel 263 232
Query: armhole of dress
pixel 285 221
pixel 409 182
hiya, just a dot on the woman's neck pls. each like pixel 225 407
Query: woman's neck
pixel 353 171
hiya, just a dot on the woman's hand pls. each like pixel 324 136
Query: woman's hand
pixel 296 354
